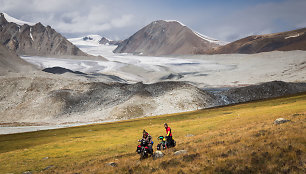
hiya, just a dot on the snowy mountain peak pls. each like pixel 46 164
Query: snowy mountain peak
pixel 90 40
pixel 203 37
pixel 14 20
pixel 107 41
pixel 209 39
pixel 168 21
pixel 92 37
pixel 93 40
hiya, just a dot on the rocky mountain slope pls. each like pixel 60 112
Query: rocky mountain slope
pixel 57 99
pixel 284 41
pixel 10 62
pixel 54 99
pixel 260 91
pixel 166 38
pixel 34 39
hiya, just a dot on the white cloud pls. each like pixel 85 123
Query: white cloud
pixel 123 21
pixel 70 16
pixel 122 18
pixel 47 6
pixel 261 19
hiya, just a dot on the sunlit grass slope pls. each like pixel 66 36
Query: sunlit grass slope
pixel 234 139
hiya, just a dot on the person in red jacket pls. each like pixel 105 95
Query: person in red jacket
pixel 169 140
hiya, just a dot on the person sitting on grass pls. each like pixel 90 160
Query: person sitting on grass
pixel 148 139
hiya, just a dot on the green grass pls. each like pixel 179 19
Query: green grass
pixel 223 137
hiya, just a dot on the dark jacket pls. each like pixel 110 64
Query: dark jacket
pixel 148 139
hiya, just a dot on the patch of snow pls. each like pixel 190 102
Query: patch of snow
pixel 86 66
pixel 16 21
pixel 209 39
pixel 175 21
pixel 297 35
pixel 95 38
pixel 31 34
pixel 93 41
pixel 98 50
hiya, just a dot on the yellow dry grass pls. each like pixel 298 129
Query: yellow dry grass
pixel 233 139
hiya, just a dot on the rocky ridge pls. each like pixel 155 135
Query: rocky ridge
pixel 283 41
pixel 34 40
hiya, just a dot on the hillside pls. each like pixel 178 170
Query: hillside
pixel 34 39
pixel 54 99
pixel 10 62
pixel 284 41
pixel 232 139
pixel 48 99
pixel 166 38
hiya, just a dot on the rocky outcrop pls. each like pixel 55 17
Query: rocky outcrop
pixel 261 91
pixel 166 38
pixel 280 121
pixel 284 41
pixel 158 154
pixel 106 41
pixel 35 40
pixel 179 152
pixel 112 164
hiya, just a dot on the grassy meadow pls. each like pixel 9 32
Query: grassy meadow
pixel 233 139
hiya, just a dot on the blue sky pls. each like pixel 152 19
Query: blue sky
pixel 225 20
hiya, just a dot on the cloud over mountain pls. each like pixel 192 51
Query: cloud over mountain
pixel 224 20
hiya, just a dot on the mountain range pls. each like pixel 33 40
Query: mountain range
pixel 162 37
pixel 174 38
pixel 26 38
pixel 93 40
